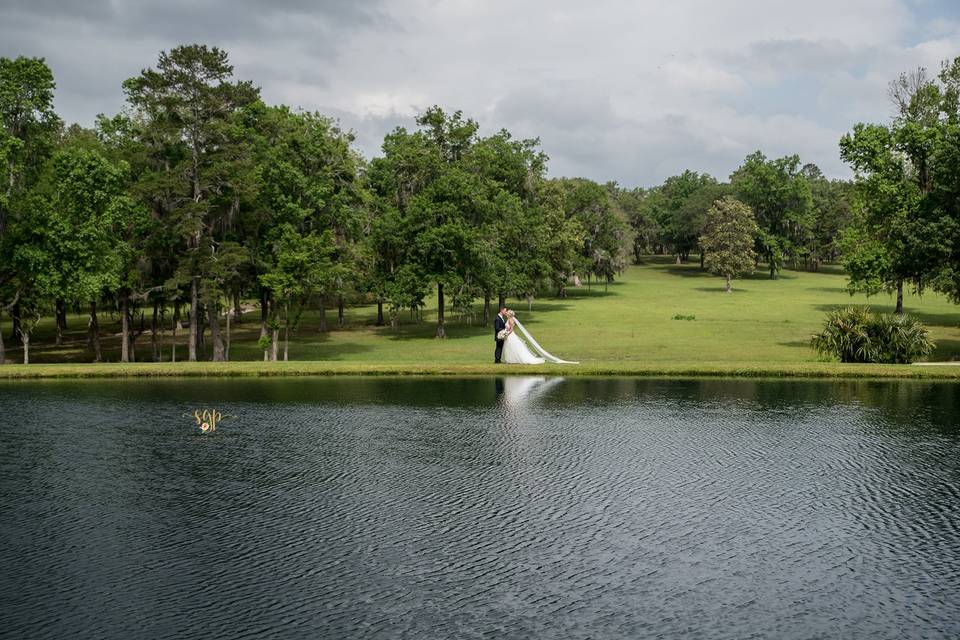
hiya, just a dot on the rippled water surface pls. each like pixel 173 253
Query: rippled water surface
pixel 511 508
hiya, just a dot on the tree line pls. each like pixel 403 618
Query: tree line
pixel 198 196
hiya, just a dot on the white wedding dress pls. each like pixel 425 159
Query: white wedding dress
pixel 517 351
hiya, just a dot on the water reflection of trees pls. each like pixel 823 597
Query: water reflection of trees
pixel 906 402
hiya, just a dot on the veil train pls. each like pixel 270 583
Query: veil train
pixel 549 357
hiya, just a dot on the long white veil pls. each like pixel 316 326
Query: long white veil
pixel 549 357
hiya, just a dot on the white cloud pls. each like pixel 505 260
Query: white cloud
pixel 932 52
pixel 701 75
pixel 616 89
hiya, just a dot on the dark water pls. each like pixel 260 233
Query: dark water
pixel 518 508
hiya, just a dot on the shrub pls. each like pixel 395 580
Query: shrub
pixel 264 342
pixel 856 334
pixel 680 316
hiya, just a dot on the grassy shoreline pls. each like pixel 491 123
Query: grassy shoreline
pixel 320 369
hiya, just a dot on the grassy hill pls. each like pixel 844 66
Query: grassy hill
pixel 658 315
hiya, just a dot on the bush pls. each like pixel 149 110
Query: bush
pixel 856 334
pixel 264 342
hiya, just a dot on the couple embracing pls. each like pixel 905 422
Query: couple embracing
pixel 514 349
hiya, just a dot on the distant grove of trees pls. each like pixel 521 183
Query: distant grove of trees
pixel 896 224
pixel 799 212
pixel 198 195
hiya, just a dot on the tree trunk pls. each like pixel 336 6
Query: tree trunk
pixel 125 333
pixel 379 313
pixel 133 337
pixel 155 332
pixel 899 309
pixel 773 267
pixel 213 314
pixel 486 309
pixel 702 258
pixel 226 354
pixel 201 346
pixel 340 311
pixel 15 317
pixel 678 259
pixel 163 331
pixel 273 344
pixel 25 340
pixel 94 329
pixel 323 315
pixel 237 311
pixel 3 349
pixel 501 301
pixel 441 332
pixel 61 313
pixel 729 286
pixel 176 323
pixel 286 331
pixel 192 341
pixel 264 315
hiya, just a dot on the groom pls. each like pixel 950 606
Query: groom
pixel 499 324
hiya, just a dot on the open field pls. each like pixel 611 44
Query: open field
pixel 762 329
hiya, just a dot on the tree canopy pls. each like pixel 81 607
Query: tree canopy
pixel 728 239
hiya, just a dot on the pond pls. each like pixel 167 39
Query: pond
pixel 468 508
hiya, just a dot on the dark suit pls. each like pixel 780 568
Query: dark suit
pixel 499 324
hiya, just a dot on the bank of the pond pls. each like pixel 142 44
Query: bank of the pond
pixel 318 368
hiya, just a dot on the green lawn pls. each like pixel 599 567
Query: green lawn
pixel 764 327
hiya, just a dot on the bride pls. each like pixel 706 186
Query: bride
pixel 515 349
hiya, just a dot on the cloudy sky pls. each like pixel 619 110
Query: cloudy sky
pixel 632 91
